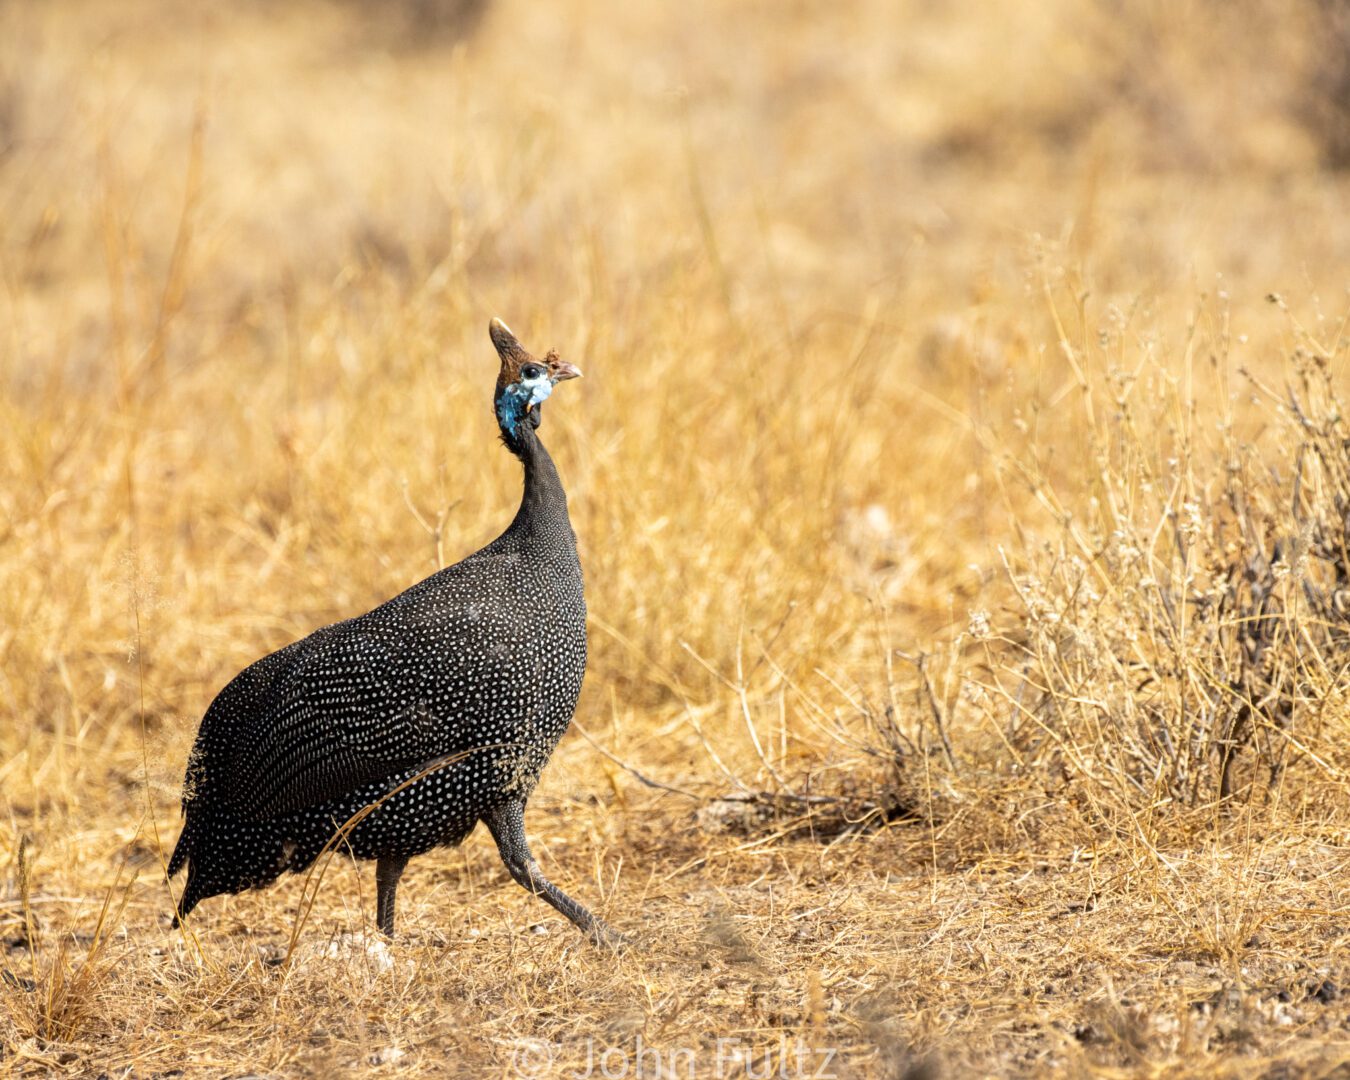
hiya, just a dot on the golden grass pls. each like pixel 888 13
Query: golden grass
pixel 958 559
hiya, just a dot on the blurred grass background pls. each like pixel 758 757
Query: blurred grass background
pixel 877 302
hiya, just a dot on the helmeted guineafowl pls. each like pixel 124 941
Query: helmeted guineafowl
pixel 476 669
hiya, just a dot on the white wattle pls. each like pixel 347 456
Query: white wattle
pixel 539 390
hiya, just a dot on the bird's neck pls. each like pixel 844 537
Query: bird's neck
pixel 543 504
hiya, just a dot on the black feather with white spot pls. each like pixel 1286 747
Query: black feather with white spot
pixel 484 659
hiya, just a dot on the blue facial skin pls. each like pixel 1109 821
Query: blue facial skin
pixel 515 400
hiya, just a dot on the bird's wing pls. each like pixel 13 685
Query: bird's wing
pixel 369 699
pixel 242 697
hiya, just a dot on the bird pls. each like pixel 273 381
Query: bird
pixel 432 712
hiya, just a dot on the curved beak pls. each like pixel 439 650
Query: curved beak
pixel 563 371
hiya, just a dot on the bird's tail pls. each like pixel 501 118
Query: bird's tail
pixel 192 893
pixel 182 850
pixel 186 903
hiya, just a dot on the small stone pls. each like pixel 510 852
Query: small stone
pixel 1324 992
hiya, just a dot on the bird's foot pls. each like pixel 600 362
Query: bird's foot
pixel 603 936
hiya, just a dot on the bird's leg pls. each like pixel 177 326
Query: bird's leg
pixel 507 824
pixel 388 870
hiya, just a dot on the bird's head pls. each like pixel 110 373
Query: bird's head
pixel 524 381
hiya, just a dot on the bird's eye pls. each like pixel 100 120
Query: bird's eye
pixel 530 372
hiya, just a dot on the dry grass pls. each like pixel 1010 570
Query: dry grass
pixel 965 529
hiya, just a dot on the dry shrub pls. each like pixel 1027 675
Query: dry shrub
pixel 1178 639
pixel 56 995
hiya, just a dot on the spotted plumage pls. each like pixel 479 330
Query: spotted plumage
pixel 475 670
